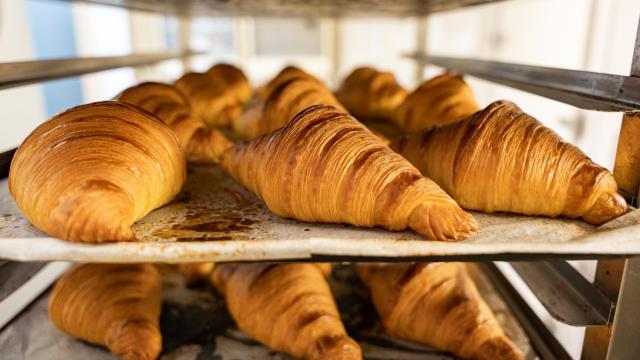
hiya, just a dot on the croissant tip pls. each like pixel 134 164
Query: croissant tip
pixel 608 207
pixel 498 348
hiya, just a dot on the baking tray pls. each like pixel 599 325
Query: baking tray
pixel 216 219
pixel 195 325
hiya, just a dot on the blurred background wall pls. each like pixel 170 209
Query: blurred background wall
pixel 595 35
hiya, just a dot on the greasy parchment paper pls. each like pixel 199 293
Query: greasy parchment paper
pixel 196 325
pixel 216 219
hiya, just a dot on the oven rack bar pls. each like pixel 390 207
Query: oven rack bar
pixel 583 89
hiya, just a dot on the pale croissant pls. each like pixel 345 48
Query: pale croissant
pixel 502 159
pixel 439 305
pixel 211 100
pixel 114 305
pixel 233 79
pixel 199 143
pixel 371 94
pixel 324 166
pixel 90 172
pixel 442 100
pixel 288 307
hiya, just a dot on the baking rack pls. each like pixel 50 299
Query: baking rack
pixel 608 307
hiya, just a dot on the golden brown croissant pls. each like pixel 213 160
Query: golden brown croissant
pixel 288 307
pixel 199 143
pixel 324 166
pixel 90 172
pixel 286 74
pixel 371 94
pixel 439 101
pixel 234 79
pixel 211 100
pixel 439 305
pixel 195 272
pixel 502 159
pixel 114 305
pixel 283 104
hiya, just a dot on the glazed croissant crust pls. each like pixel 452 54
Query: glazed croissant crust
pixel 437 304
pixel 288 307
pixel 114 305
pixel 90 172
pixel 199 143
pixel 502 159
pixel 442 100
pixel 324 166
pixel 371 94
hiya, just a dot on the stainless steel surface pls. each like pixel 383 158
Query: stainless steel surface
pixel 545 344
pixel 584 89
pixel 27 72
pixel 216 219
pixel 565 293
pixel 294 7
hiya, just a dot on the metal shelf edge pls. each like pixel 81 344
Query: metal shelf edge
pixel 583 89
pixel 28 72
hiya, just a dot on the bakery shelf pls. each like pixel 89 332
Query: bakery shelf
pixel 215 219
pixel 28 72
pixel 584 89
pixel 195 324
pixel 293 7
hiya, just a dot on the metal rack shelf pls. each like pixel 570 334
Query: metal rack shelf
pixel 584 89
pixel 564 292
pixel 314 8
pixel 28 72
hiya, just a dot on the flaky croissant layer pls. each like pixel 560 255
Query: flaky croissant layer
pixel 199 143
pixel 324 166
pixel 114 305
pixel 90 172
pixel 502 159
pixel 439 101
pixel 288 307
pixel 439 305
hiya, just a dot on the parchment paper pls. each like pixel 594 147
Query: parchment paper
pixel 216 219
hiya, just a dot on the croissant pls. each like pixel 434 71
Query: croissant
pixel 439 305
pixel 211 99
pixel 502 159
pixel 371 94
pixel 324 166
pixel 286 74
pixel 90 172
pixel 114 305
pixel 195 272
pixel 439 101
pixel 284 103
pixel 288 307
pixel 199 143
pixel 234 79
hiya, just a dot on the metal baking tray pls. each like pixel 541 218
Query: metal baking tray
pixel 216 219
